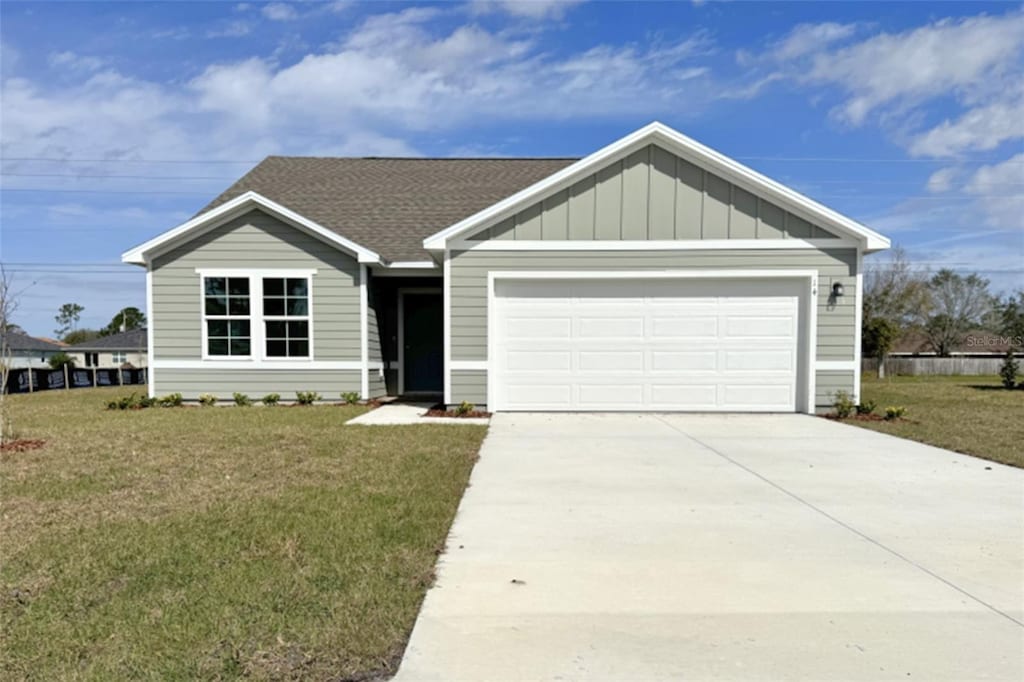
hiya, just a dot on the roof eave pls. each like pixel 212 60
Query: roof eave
pixel 144 253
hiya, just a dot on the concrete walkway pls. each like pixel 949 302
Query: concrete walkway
pixel 694 547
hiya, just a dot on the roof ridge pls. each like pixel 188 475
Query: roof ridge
pixel 425 158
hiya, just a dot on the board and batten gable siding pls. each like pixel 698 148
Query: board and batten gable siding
pixel 255 241
pixel 836 330
pixel 652 194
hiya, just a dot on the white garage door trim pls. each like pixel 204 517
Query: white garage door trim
pixel 807 301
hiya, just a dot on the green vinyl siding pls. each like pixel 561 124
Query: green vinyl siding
pixel 470 385
pixel 652 194
pixel 256 383
pixel 828 382
pixel 257 241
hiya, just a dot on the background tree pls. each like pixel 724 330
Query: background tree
pixel 67 318
pixel 1010 318
pixel 80 336
pixel 895 293
pixel 958 304
pixel 58 360
pixel 125 320
pixel 9 299
pixel 879 336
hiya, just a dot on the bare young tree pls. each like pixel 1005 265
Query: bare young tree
pixel 8 306
pixel 895 298
pixel 959 304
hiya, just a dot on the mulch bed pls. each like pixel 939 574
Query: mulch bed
pixel 22 445
pixel 440 412
pixel 864 418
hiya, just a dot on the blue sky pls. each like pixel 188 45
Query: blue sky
pixel 120 120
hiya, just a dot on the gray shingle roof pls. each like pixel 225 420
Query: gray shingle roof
pixel 132 340
pixel 389 205
pixel 18 341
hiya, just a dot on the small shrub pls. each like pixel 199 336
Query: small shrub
pixel 306 397
pixel 242 400
pixel 171 400
pixel 125 402
pixel 1009 370
pixel 271 399
pixel 894 412
pixel 464 408
pixel 58 360
pixel 207 400
pixel 148 402
pixel 867 407
pixel 843 404
pixel 350 397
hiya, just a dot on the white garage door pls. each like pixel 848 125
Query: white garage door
pixel 672 344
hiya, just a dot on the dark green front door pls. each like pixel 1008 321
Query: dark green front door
pixel 423 329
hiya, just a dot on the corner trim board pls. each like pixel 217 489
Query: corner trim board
pixel 364 334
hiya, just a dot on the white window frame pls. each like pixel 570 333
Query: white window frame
pixel 257 321
pixel 307 318
pixel 227 316
pixel 114 355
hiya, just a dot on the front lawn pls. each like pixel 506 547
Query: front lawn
pixel 973 415
pixel 184 543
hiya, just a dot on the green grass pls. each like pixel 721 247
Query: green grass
pixel 973 415
pixel 215 543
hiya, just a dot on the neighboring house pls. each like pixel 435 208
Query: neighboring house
pixel 26 351
pixel 115 350
pixel 654 274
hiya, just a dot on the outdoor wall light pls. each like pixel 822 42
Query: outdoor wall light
pixel 837 289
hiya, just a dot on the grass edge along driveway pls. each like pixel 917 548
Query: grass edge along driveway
pixel 183 543
pixel 973 415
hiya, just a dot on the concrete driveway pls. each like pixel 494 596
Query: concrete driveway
pixel 740 547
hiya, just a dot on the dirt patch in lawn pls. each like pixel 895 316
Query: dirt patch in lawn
pixel 472 414
pixel 21 445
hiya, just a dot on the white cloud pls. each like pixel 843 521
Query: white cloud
pixel 981 128
pixel 527 9
pixel 233 29
pixel 1000 188
pixel 807 38
pixel 279 11
pixel 70 60
pixel 942 180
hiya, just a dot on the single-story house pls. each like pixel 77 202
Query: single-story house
pixel 22 351
pixel 653 274
pixel 115 350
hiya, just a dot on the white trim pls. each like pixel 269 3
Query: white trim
pixel 858 324
pixel 364 334
pixel 447 305
pixel 401 327
pixel 150 332
pixel 405 272
pixel 256 272
pixel 655 245
pixel 676 142
pixel 810 309
pixel 468 365
pixel 836 365
pixel 354 365
pixel 142 253
pixel 411 265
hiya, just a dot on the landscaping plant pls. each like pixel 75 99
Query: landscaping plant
pixel 207 400
pixel 350 397
pixel 171 400
pixel 242 400
pixel 306 397
pixel 866 407
pixel 894 412
pixel 464 408
pixel 843 404
pixel 1009 370
pixel 271 399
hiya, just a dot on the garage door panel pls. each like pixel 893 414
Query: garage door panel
pixel 558 327
pixel 610 361
pixel 760 360
pixel 648 345
pixel 684 326
pixel 684 360
pixel 539 360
